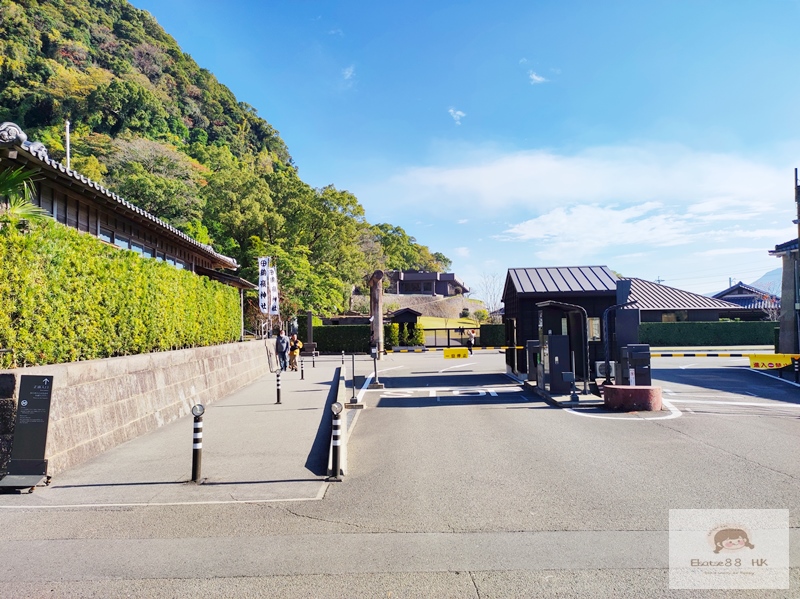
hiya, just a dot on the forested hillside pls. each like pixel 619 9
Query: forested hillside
pixel 150 124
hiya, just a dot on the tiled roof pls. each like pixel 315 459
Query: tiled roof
pixel 13 135
pixel 788 246
pixel 749 297
pixel 653 296
pixel 563 279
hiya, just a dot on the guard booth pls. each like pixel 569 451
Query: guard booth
pixel 635 365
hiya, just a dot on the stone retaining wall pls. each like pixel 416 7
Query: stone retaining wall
pixel 99 404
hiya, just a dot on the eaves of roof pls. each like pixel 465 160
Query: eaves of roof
pixel 647 295
pixel 36 154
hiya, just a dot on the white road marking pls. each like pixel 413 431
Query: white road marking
pixel 320 495
pixel 739 403
pixel 674 413
pixel 457 366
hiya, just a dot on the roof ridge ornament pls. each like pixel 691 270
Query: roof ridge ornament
pixel 11 134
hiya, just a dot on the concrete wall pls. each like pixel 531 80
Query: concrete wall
pixel 99 404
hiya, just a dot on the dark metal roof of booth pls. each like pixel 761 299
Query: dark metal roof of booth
pixel 654 296
pixel 563 279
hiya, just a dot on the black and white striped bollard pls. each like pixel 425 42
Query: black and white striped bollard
pixel 336 442
pixel 197 442
pixel 302 372
pixel 313 359
pixel 279 387
pixel 342 357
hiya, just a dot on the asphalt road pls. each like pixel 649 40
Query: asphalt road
pixel 461 484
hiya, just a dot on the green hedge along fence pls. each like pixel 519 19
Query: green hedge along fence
pixel 707 333
pixel 67 296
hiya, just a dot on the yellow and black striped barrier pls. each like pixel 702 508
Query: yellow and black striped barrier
pixel 697 355
pixel 427 349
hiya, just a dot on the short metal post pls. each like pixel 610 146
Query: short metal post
pixel 342 357
pixel 353 377
pixel 313 359
pixel 336 443
pixel 197 448
pixel 279 387
pixel 302 372
pixel 796 364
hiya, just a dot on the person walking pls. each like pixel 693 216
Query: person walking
pixel 282 349
pixel 470 340
pixel 295 345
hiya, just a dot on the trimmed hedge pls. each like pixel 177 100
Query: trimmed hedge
pixel 493 335
pixel 67 296
pixel 346 337
pixel 707 333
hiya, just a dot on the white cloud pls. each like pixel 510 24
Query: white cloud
pixel 336 31
pixel 349 72
pixel 457 115
pixel 709 185
pixel 535 78
pixel 462 252
pixel 523 61
pixel 463 221
pixel 692 217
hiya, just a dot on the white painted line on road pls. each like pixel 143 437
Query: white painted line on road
pixel 773 378
pixel 739 403
pixel 687 366
pixel 368 380
pixel 320 495
pixel 457 366
pixel 674 413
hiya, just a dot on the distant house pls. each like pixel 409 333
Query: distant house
pixel 661 303
pixel 790 294
pixel 418 282
pixel 80 203
pixel 755 304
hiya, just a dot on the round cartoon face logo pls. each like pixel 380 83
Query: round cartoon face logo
pixel 730 539
pixel 24 402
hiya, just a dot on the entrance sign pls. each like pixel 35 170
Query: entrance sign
pixel 28 467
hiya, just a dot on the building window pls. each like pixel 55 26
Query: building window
pixel 121 241
pixel 594 329
pixel 106 235
pixel 137 247
pixel 149 252
pixel 160 256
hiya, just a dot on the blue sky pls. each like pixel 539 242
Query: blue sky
pixel 658 138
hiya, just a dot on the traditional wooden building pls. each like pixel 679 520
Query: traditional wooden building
pixel 755 304
pixel 418 282
pixel 78 202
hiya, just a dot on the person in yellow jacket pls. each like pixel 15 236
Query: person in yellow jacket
pixel 295 345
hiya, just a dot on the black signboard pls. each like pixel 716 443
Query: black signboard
pixel 30 429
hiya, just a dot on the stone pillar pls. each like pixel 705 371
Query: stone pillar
pixel 376 309
pixel 787 341
pixel 310 328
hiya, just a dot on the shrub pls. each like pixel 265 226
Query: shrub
pixel 337 338
pixel 493 335
pixel 707 333
pixel 391 334
pixel 67 296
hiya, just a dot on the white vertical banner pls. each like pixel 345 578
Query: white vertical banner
pixel 263 285
pixel 273 292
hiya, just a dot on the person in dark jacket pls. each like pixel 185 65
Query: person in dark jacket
pixel 282 349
